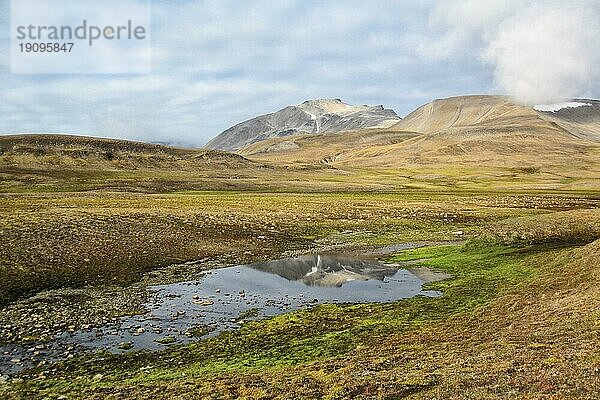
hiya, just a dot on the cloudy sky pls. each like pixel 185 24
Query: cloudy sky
pixel 216 63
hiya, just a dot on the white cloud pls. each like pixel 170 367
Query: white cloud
pixel 547 55
pixel 459 27
pixel 539 51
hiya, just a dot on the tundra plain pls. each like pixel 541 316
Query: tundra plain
pixel 88 224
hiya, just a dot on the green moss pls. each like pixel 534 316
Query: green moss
pixel 251 313
pixel 166 340
pixel 479 273
pixel 199 331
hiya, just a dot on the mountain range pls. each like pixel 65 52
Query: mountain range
pixel 467 130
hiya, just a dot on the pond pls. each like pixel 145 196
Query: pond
pixel 226 298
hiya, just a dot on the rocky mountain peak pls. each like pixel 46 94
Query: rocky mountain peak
pixel 319 116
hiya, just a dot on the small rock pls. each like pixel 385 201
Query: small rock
pixel 206 302
pixel 125 345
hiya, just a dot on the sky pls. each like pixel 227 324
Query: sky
pixel 217 63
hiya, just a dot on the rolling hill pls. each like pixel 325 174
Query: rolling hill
pixel 84 151
pixel 49 162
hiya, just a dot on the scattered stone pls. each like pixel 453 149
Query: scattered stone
pixel 207 302
pixel 125 345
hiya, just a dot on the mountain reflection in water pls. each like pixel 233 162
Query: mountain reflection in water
pixel 326 271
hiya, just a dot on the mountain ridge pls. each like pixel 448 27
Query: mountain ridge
pixel 459 112
pixel 474 131
pixel 320 116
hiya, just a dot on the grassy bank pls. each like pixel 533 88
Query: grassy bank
pixel 503 328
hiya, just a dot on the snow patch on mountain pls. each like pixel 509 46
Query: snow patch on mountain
pixel 558 106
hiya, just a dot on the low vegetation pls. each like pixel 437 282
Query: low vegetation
pixel 515 320
pixel 518 318
pixel 562 228
pixel 56 241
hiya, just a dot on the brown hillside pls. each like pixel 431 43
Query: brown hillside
pixel 469 130
pixel 82 151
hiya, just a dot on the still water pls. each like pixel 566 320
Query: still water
pixel 226 298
